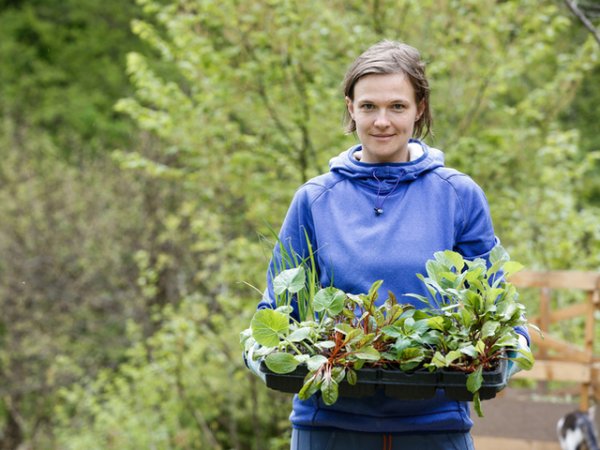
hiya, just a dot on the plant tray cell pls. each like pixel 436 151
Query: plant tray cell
pixel 455 383
pixel 292 382
pixel 417 385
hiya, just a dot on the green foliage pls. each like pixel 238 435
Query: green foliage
pixel 477 310
pixel 67 276
pixel 468 325
pixel 66 71
pixel 170 392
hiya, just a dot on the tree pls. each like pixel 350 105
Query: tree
pixel 66 70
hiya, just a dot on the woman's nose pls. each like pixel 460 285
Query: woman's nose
pixel 382 120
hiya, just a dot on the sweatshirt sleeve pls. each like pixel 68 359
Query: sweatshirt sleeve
pixel 475 236
pixel 296 231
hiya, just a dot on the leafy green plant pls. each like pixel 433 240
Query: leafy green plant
pixel 467 325
pixel 348 332
pixel 475 311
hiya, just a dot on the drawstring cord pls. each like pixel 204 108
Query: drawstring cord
pixel 379 204
pixel 387 444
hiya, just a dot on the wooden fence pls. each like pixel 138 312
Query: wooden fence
pixel 557 359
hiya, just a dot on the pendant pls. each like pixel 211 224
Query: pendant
pixel 378 211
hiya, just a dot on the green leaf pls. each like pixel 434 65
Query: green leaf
pixel 506 309
pixel 299 335
pixel 290 280
pixel 392 331
pixel 438 360
pixel 281 362
pixel 420 297
pixel 367 353
pixel 329 391
pixel 330 300
pixel 312 383
pixel 402 343
pixel 498 254
pixel 512 267
pixel 437 323
pixel 455 260
pixel 475 379
pixel 466 318
pixel 316 361
pixel 489 328
pixel 373 290
pixel 351 377
pixel 507 340
pixel 453 356
pixel 358 299
pixel 470 350
pixel 338 374
pixel 301 359
pixel 345 328
pixel 410 353
pixel 434 268
pixel 268 326
pixel 480 347
pixel 525 361
pixel 477 404
pixel 493 294
pixel 285 309
pixel 473 302
pixel 325 344
pixel 356 335
pixel 410 358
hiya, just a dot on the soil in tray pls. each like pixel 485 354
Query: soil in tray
pixel 455 383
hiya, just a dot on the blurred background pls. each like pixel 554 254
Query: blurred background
pixel 147 148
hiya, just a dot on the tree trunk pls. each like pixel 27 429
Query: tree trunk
pixel 12 434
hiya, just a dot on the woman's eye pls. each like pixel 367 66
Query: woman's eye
pixel 367 106
pixel 398 107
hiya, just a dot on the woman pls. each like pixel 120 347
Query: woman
pixel 386 206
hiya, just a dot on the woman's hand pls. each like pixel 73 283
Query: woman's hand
pixel 511 366
pixel 254 365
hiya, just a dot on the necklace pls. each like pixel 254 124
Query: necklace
pixel 379 201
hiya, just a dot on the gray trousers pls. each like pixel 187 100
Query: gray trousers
pixel 316 439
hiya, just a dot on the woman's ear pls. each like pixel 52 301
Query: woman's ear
pixel 420 110
pixel 350 106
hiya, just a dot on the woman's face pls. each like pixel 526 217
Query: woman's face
pixel 385 111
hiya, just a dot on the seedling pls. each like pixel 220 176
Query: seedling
pixel 467 325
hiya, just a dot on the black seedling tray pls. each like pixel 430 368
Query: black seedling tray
pixel 417 385
pixel 455 383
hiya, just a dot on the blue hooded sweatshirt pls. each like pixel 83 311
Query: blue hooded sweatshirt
pixel 369 222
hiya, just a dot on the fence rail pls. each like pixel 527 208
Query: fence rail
pixel 557 359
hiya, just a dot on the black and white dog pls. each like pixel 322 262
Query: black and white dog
pixel 577 431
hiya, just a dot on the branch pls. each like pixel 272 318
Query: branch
pixel 469 117
pixel 584 20
pixel 192 410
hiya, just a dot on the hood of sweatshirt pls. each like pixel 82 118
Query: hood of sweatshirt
pixel 383 177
